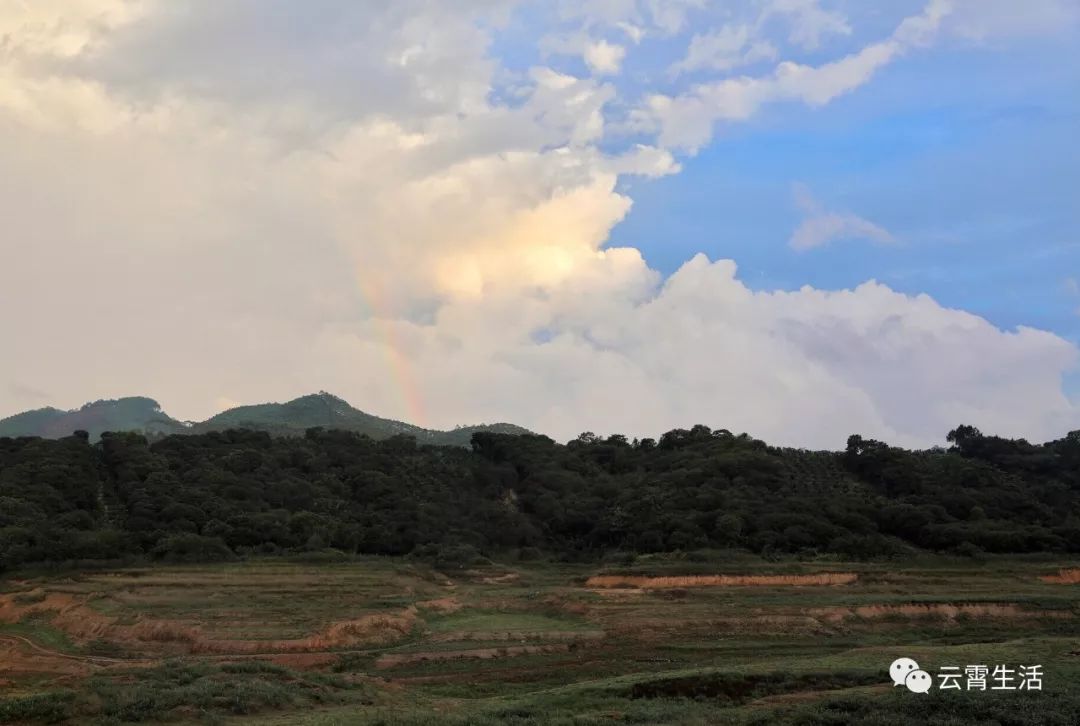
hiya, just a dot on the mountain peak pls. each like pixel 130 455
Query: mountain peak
pixel 132 413
pixel 133 402
pixel 292 418
pixel 323 396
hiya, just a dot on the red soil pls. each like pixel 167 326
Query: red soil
pixel 442 605
pixel 660 583
pixel 1069 576
pixel 83 624
pixel 948 611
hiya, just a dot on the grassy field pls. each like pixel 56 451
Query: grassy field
pixel 390 641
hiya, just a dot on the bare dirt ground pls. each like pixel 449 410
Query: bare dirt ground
pixel 659 583
pixel 1068 576
pixel 520 636
pixel 20 656
pixel 366 630
pixel 948 611
pixel 442 605
pixel 70 614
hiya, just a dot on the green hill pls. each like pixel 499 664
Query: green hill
pixel 31 423
pixel 144 415
pixel 135 413
pixel 330 412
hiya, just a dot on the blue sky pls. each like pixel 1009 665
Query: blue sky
pixel 965 151
pixel 968 155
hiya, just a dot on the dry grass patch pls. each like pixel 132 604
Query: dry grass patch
pixel 1068 576
pixel 445 605
pixel 946 611
pixel 617 591
pixel 671 582
pixel 376 629
pixel 71 614
pixel 517 635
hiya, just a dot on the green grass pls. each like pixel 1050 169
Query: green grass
pixel 29 597
pixel 504 622
pixel 37 629
pixel 179 690
pixel 702 655
pixel 47 707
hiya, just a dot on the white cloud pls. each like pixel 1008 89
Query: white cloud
pixel 633 32
pixel 808 20
pixel 604 58
pixel 670 16
pixel 663 17
pixel 820 226
pixel 686 121
pixel 204 232
pixel 731 46
pixel 921 29
pixel 750 39
pixel 331 62
pixel 600 57
pixel 57 28
pixel 807 367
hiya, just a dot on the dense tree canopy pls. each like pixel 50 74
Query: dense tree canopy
pixel 216 495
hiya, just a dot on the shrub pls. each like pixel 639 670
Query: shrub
pixel 52 707
pixel 190 547
pixel 456 557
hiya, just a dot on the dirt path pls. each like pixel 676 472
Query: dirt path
pixel 97 659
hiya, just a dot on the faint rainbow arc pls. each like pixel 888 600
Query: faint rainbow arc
pixel 396 362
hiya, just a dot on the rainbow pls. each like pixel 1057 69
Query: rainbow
pixel 398 365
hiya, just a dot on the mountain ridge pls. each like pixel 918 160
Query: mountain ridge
pixel 291 418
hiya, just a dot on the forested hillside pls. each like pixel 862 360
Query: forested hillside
pixel 134 413
pixel 143 415
pixel 222 494
pixel 328 411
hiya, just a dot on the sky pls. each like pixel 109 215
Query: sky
pixel 800 219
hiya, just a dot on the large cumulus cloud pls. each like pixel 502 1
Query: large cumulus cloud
pixel 362 199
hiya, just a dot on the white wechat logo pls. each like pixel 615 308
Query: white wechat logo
pixel 918 681
pixel 901 668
